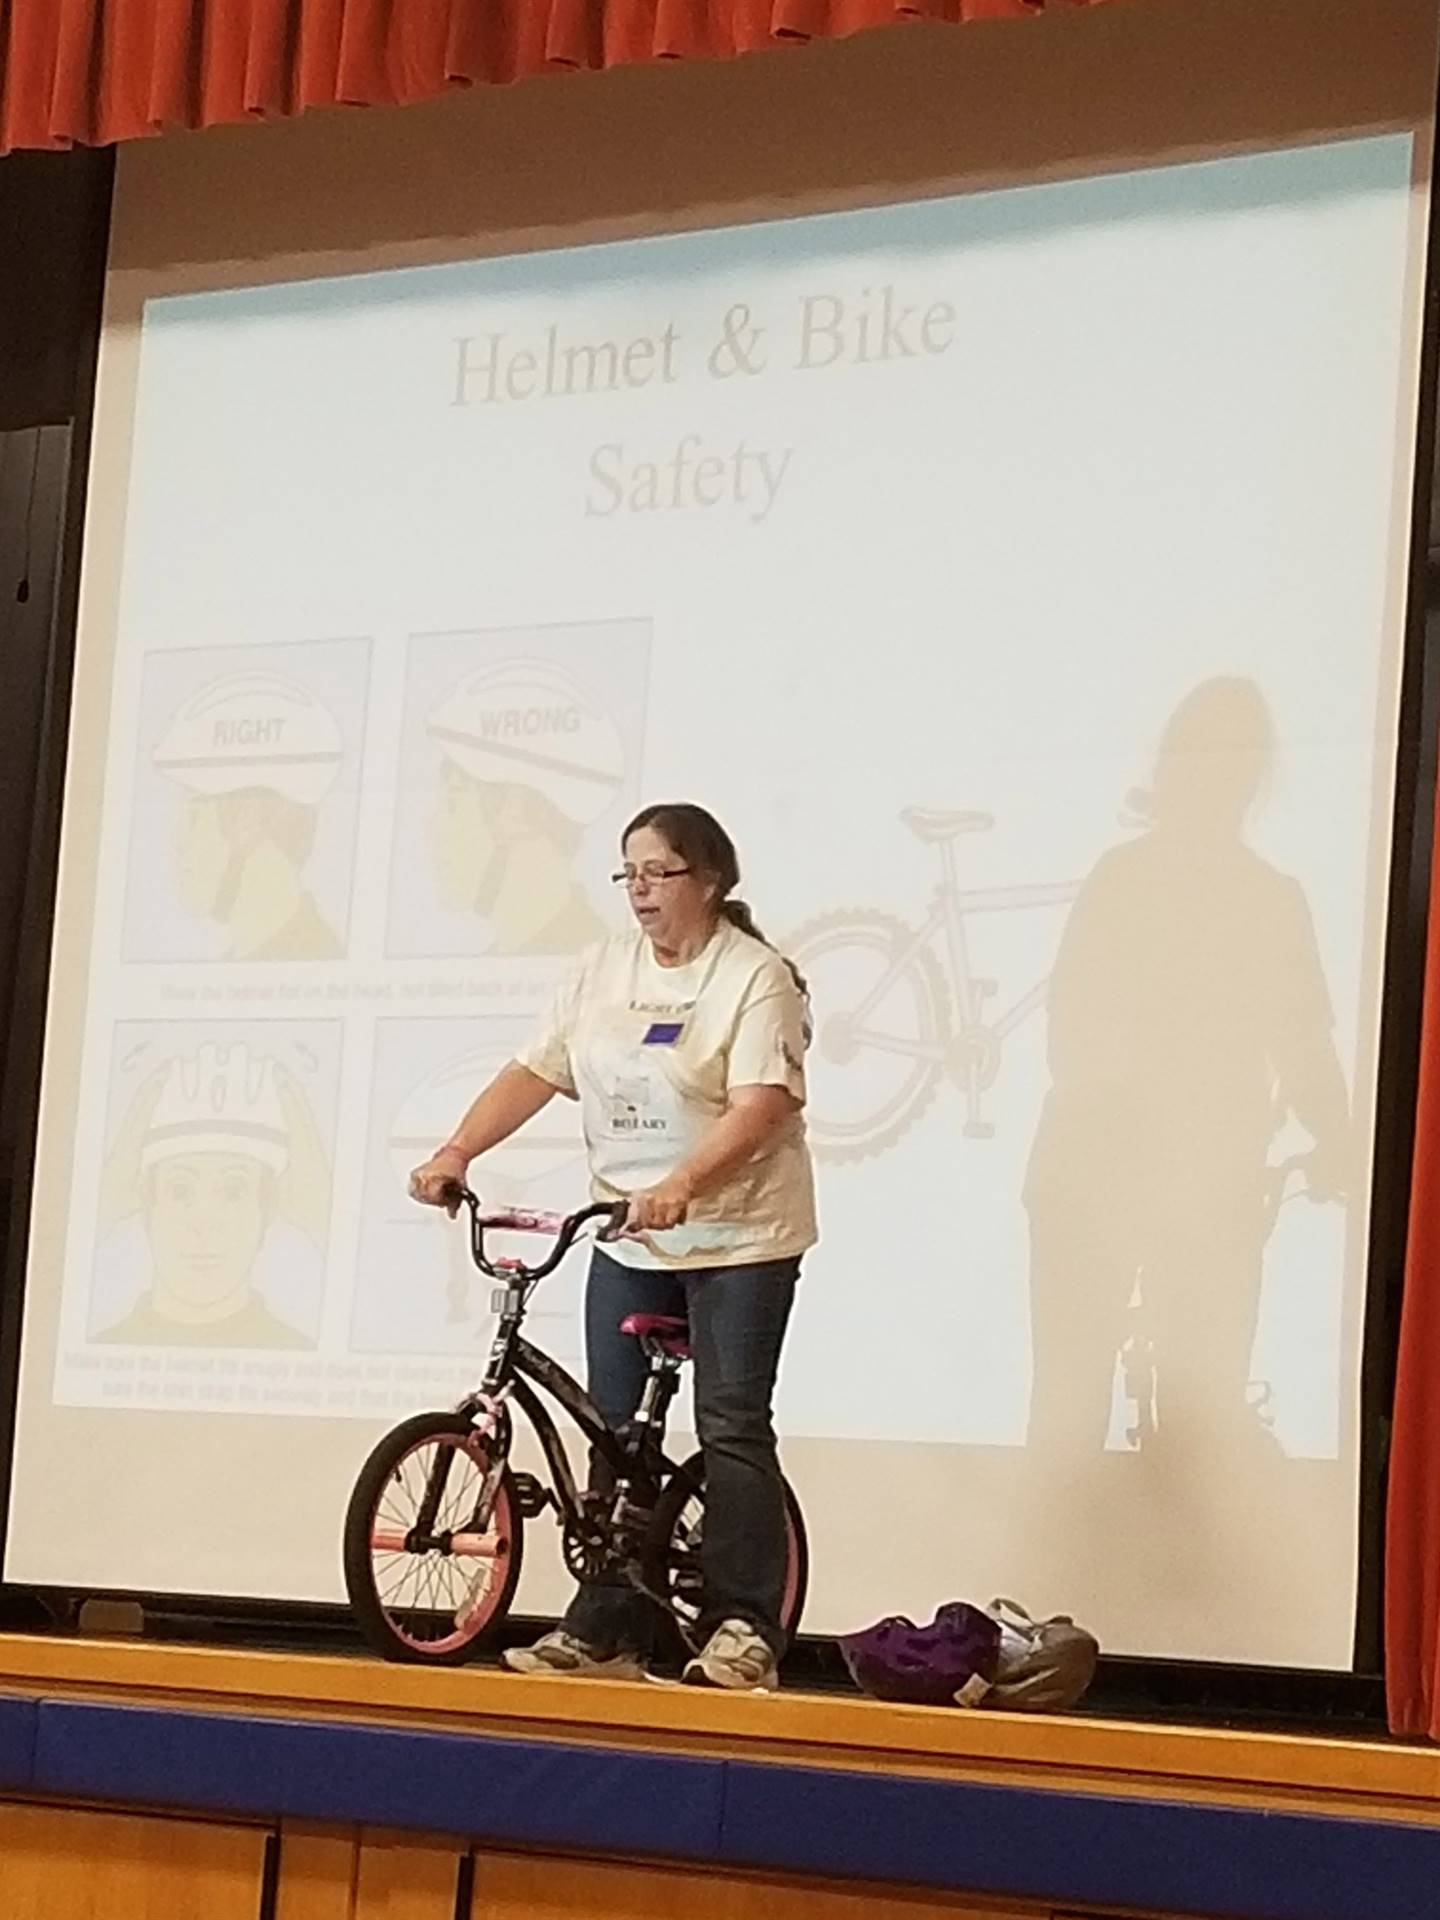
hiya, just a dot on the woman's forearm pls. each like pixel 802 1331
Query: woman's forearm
pixel 514 1096
pixel 754 1114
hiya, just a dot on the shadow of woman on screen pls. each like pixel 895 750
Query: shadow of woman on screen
pixel 1188 1021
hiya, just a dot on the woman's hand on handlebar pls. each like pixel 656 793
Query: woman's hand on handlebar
pixel 658 1208
pixel 437 1183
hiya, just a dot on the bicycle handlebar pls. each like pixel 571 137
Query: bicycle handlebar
pixel 522 1220
pixel 565 1227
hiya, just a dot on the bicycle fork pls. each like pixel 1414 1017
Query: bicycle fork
pixel 473 1541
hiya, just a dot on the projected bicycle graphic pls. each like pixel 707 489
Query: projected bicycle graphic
pixel 900 1008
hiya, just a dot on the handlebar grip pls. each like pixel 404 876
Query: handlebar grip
pixel 611 1229
pixel 524 1220
pixel 563 1229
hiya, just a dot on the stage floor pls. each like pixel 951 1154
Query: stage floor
pixel 1358 1778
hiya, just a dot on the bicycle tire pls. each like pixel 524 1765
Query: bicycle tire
pixel 875 932
pixel 686 1484
pixel 379 1474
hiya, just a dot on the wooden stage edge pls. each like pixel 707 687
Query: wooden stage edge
pixel 1355 1778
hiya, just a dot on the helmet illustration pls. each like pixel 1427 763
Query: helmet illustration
pixel 220 1100
pixel 527 722
pixel 542 1149
pixel 252 730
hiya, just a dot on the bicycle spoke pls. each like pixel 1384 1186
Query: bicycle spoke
pixel 388 1594
pixel 409 1491
pixel 435 1600
pixel 429 1584
pixel 897 1048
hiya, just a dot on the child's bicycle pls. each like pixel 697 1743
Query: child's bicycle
pixel 434 1531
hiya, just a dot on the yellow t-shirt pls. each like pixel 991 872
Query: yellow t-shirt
pixel 653 1054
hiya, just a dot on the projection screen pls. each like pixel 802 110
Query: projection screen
pixel 1016 573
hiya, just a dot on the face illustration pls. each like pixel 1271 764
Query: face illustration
pixel 463 838
pixel 207 1216
pixel 202 854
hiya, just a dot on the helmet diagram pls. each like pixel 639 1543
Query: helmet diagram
pixel 253 730
pixel 218 1150
pixel 536 1167
pixel 527 724
pixel 219 1100
pixel 521 751
pixel 236 837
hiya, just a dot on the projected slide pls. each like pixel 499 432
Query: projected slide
pixel 1010 573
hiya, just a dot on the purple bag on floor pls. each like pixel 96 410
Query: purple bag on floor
pixel 926 1666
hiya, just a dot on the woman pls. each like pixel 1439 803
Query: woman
pixel 683 1042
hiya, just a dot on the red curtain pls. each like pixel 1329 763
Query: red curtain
pixel 1412 1552
pixel 94 71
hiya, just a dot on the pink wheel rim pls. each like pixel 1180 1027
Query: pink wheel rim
pixel 471 1600
pixel 791 1596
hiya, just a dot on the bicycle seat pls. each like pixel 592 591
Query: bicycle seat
pixel 926 825
pixel 669 1334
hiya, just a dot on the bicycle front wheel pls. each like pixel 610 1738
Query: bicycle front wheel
pixel 429 1571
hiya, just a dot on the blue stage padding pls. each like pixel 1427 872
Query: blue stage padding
pixel 1022 1843
pixel 533 1793
pixel 1080 1849
pixel 19 1718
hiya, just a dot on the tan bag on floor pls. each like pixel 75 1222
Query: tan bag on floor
pixel 1045 1666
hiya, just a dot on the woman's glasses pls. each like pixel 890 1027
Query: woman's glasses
pixel 652 874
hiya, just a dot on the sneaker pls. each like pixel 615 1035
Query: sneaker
pixel 736 1657
pixel 561 1652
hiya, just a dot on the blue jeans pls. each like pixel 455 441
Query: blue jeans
pixel 737 1321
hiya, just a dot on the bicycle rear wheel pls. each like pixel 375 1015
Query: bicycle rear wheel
pixel 872 1073
pixel 673 1569
pixel 432 1599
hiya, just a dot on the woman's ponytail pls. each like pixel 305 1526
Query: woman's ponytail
pixel 739 915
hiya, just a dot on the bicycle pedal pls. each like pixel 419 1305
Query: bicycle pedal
pixel 531 1496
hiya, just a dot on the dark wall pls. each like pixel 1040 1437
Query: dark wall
pixel 54 219
pixel 54 214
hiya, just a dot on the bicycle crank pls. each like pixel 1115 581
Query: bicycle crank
pixel 973 1058
pixel 532 1496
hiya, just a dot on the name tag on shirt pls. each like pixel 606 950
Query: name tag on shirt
pixel 663 1033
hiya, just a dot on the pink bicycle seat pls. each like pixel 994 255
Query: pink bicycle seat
pixel 668 1333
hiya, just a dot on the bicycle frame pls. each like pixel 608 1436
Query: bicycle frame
pixel 519 1372
pixel 953 906
pixel 945 926
pixel 523 1369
